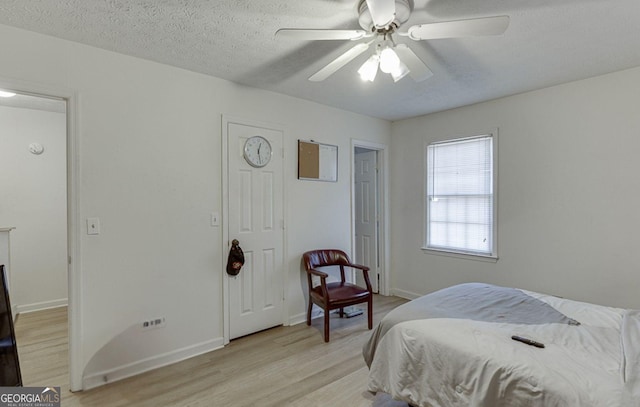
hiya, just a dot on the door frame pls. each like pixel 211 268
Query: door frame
pixel 383 209
pixel 74 272
pixel 225 243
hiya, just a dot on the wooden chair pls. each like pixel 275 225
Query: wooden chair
pixel 335 295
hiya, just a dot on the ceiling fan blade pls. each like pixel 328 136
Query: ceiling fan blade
pixel 460 28
pixel 383 12
pixel 313 34
pixel 418 70
pixel 339 62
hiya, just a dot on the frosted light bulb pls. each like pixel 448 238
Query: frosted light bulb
pixel 369 69
pixel 389 60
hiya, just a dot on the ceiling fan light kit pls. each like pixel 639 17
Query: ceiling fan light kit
pixel 387 60
pixel 369 69
pixel 379 20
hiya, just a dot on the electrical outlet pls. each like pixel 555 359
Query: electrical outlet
pixel 154 323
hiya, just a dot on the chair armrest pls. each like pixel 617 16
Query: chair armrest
pixel 365 272
pixel 318 273
pixel 358 266
pixel 323 282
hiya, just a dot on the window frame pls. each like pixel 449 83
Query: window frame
pixel 489 257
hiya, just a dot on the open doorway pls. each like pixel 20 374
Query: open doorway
pixel 34 181
pixel 369 211
pixel 33 164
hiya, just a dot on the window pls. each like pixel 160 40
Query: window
pixel 460 196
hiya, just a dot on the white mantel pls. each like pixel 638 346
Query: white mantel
pixel 5 258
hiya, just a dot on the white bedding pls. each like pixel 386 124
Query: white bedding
pixel 450 362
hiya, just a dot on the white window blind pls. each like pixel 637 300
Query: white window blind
pixel 460 196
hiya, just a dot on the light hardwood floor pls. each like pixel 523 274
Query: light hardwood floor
pixel 283 366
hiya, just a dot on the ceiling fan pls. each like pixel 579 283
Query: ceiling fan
pixel 380 21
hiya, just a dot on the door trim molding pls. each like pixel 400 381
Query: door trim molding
pixel 74 271
pixel 225 243
pixel 383 188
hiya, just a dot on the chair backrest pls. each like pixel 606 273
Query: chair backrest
pixel 325 257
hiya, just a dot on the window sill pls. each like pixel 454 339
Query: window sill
pixel 458 255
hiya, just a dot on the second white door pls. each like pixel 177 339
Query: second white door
pixel 366 212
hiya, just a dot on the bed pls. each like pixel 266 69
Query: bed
pixel 454 347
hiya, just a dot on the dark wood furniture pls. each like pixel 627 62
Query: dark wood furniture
pixel 335 295
pixel 9 363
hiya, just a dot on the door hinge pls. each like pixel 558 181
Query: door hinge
pixel 282 224
pixel 69 259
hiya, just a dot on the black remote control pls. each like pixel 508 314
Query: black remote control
pixel 527 341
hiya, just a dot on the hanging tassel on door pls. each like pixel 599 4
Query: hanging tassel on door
pixel 236 258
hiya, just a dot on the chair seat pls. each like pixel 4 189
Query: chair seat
pixel 341 292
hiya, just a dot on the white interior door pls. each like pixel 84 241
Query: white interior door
pixel 366 212
pixel 256 219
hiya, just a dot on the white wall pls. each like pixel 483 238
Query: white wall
pixel 150 169
pixel 34 201
pixel 568 192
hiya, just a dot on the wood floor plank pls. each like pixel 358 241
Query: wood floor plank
pixel 283 366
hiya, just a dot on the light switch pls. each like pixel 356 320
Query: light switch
pixel 215 219
pixel 93 226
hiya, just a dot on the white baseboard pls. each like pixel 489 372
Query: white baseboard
pixel 404 294
pixel 39 306
pixel 298 319
pixel 145 365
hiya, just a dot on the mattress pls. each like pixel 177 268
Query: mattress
pixel 454 348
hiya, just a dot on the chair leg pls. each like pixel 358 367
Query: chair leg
pixel 326 325
pixel 309 312
pixel 341 313
pixel 370 312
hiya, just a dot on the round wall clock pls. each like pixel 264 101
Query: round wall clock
pixel 257 151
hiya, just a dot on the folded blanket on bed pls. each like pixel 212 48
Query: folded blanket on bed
pixel 474 301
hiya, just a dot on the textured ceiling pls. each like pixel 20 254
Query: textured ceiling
pixel 548 42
